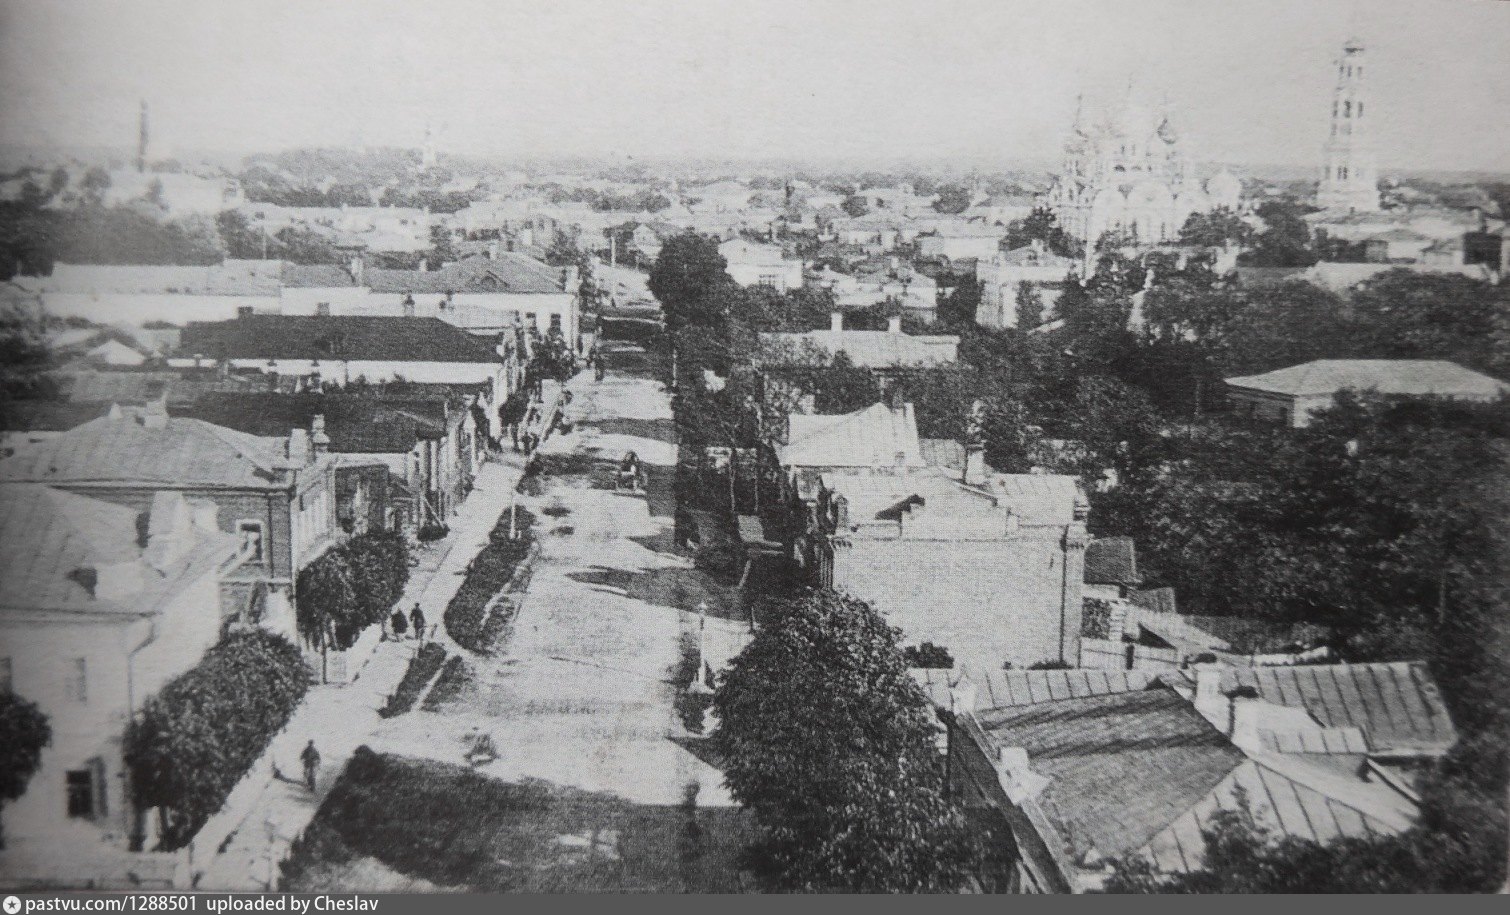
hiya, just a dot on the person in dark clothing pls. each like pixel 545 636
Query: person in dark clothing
pixel 417 618
pixel 311 759
pixel 399 624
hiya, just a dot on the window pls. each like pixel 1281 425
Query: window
pixel 80 793
pixel 250 533
pixel 77 683
pixel 1347 109
pixel 556 323
pixel 1360 109
pixel 770 280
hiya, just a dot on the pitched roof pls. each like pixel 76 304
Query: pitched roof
pixel 1396 705
pixel 355 338
pixel 54 545
pixel 1111 561
pixel 506 272
pixel 877 349
pixel 124 450
pixel 872 437
pixel 365 424
pixel 1010 688
pixel 231 277
pixel 1121 766
pixel 1414 377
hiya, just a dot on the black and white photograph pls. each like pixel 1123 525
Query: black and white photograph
pixel 751 447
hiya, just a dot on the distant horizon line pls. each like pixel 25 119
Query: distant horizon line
pixel 966 162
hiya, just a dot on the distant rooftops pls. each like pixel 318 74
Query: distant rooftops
pixel 1412 377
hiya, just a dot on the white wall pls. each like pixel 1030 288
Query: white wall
pixel 139 308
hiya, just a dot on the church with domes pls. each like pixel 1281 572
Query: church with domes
pixel 1127 173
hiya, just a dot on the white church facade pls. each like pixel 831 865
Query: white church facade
pixel 1127 173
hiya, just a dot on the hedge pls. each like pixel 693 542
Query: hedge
pixel 421 671
pixel 351 587
pixel 490 571
pixel 196 738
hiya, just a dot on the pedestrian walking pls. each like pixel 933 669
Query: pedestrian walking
pixel 311 759
pixel 417 617
pixel 399 624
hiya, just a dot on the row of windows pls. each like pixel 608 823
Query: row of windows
pixel 75 678
pixel 1347 109
pixel 1348 69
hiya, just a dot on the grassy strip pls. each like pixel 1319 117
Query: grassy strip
pixel 454 678
pixel 489 572
pixel 449 825
pixel 422 669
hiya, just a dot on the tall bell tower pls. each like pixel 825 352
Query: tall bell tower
pixel 1350 178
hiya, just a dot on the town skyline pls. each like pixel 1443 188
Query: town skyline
pixel 772 83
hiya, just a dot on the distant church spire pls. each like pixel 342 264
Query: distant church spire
pixel 1350 178
pixel 142 140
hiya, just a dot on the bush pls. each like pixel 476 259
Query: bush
pixel 1096 622
pixel 195 740
pixel 353 586
pixel 929 656
pixel 421 671
pixel 488 574
pixel 24 731
pixel 428 533
pixel 724 561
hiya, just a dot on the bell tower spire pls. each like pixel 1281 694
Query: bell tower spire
pixel 1349 178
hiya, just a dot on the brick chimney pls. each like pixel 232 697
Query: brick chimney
pixel 836 321
pixel 975 464
pixel 894 324
pixel 317 435
pixel 154 415
pixel 170 530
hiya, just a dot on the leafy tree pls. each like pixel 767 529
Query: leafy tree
pixel 1215 229
pixel 830 744
pixel 685 274
pixel 1286 239
pixel 240 239
pixel 953 198
pixel 1029 306
pixel 959 306
pixel 304 246
pixel 928 656
pixel 24 732
pixel 196 738
pixel 855 205
pixel 1405 315
pixel 1042 226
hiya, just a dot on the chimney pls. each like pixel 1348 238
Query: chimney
pixel 322 309
pixel 356 268
pixel 894 324
pixel 836 321
pixel 975 464
pixel 317 434
pixel 154 415
pixel 1208 685
pixel 1019 781
pixel 298 449
pixel 243 311
pixel 408 306
pixel 170 530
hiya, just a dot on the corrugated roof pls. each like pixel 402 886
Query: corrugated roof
pixel 1396 705
pixel 180 452
pixel 1121 767
pixel 1417 377
pixel 336 337
pixel 1011 688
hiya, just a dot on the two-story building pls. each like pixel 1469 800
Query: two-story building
pixel 275 495
pixel 101 604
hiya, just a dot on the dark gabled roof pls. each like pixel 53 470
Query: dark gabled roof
pixel 49 415
pixel 333 337
pixel 315 276
pixel 1121 767
pixel 355 424
pixel 1111 561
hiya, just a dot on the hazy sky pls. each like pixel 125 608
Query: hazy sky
pixel 1249 81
